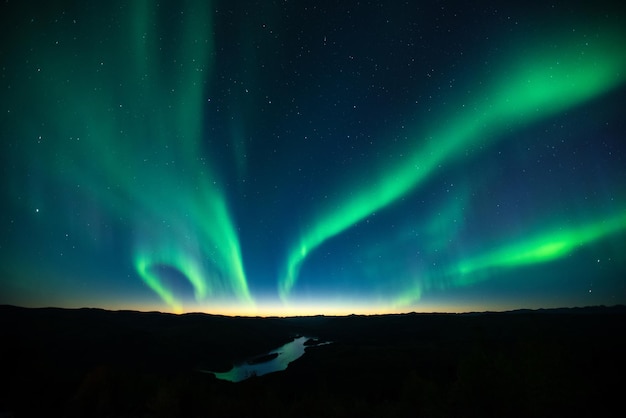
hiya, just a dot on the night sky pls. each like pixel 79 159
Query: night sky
pixel 306 157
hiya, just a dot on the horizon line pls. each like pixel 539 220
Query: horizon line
pixel 275 316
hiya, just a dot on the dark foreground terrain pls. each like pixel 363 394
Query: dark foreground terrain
pixel 88 362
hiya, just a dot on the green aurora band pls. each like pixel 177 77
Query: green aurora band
pixel 543 83
pixel 206 231
pixel 540 249
pixel 148 146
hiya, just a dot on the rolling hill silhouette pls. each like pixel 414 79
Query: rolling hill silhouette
pixel 92 362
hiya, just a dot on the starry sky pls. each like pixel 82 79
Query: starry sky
pixel 313 157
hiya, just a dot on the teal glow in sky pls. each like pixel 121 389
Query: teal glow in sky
pixel 286 159
pixel 544 83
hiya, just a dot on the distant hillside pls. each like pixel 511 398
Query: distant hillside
pixel 92 362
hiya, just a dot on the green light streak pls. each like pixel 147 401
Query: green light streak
pixel 543 83
pixel 541 249
pixel 207 254
pixel 208 225
pixel 133 108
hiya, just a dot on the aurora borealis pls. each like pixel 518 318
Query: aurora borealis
pixel 293 158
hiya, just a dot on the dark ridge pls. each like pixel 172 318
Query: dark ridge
pixel 93 362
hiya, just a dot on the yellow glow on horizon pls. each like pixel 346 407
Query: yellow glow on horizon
pixel 279 311
pixel 316 309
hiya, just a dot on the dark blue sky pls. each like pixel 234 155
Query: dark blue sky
pixel 313 157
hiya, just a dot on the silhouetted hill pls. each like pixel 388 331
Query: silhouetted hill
pixel 92 362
